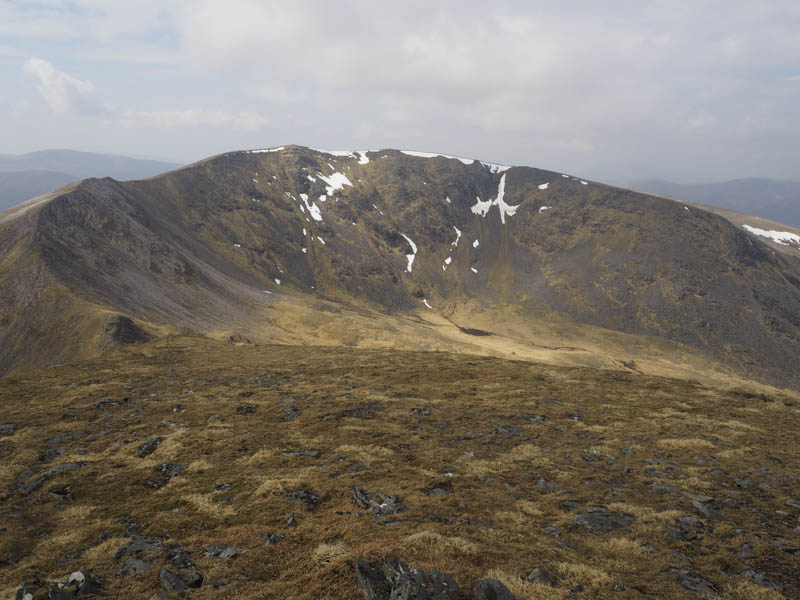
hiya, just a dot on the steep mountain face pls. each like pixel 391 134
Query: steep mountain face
pixel 213 246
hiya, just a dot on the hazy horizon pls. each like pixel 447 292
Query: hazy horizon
pixel 619 92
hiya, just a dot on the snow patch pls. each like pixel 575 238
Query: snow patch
pixel 475 244
pixel 278 281
pixel 458 235
pixel 304 231
pixel 364 158
pixel 447 200
pixel 313 209
pixel 784 238
pixel 544 186
pixel 425 302
pixel 448 260
pixel 335 181
pixel 266 150
pixel 321 241
pixel 567 176
pixel 544 208
pixel 310 178
pixel 584 183
pixel 237 245
pixel 474 270
pixel 305 250
pixel 410 257
pixel 481 208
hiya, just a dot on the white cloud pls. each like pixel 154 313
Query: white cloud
pixel 62 92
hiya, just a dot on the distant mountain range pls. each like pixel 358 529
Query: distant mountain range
pixel 767 198
pixel 26 176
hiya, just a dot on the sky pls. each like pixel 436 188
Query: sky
pixel 691 91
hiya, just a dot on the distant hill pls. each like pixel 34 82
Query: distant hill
pixel 26 176
pixel 767 198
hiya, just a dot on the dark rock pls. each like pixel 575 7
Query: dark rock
pixel 139 546
pixel 170 581
pixel 122 330
pixel 535 419
pixel 8 428
pixel 63 468
pixel 746 552
pixel 705 510
pixel 134 566
pixel 149 446
pixel 272 538
pixel 167 471
pixel 222 551
pixel 696 583
pixel 356 466
pixel 542 577
pixel 309 453
pixel 422 412
pixel 223 487
pixel 62 493
pixel 493 589
pixel 507 430
pixel 744 483
pixel 758 579
pixel 290 413
pixel 618 586
pixel 604 521
pixel 570 505
pixel 379 504
pixel 245 409
pixel 31 486
pixel 684 558
pixel 58 591
pixel 399 581
pixel 305 495
pixel 578 416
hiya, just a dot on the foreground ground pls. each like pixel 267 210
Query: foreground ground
pixel 613 485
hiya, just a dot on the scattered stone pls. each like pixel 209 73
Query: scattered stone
pixel 271 539
pixel 697 583
pixel 484 478
pixel 167 471
pixel 618 586
pixel 356 466
pixel 542 577
pixel 291 521
pixel 139 546
pixel 746 552
pixel 758 579
pixel 290 413
pixel 378 503
pixel 62 493
pixel 134 566
pixel 223 487
pixel 245 409
pixel 170 581
pixel 604 521
pixel 399 581
pixel 422 412
pixel 684 558
pixel 187 570
pixel 222 551
pixel 8 428
pixel 507 430
pixel 570 505
pixel 627 451
pixel 148 447
pixel 686 529
pixel 309 453
pixel 744 483
pixel 706 510
pixel 535 419
pixel 549 485
pixel 305 495
pixel 793 504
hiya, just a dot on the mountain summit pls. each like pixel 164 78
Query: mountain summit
pixel 395 248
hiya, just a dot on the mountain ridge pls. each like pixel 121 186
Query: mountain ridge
pixel 224 245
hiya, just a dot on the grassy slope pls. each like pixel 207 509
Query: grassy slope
pixel 171 387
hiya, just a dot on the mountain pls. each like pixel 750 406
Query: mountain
pixel 28 175
pixel 774 200
pixel 397 249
